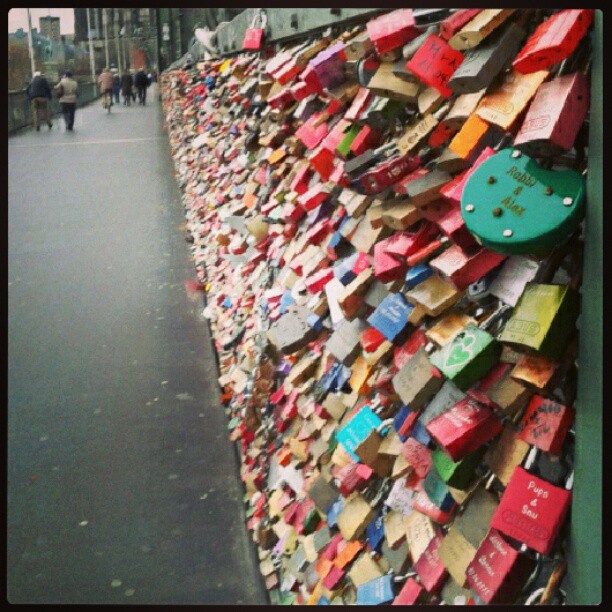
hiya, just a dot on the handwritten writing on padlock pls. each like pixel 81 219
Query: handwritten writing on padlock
pixel 532 511
pixel 514 206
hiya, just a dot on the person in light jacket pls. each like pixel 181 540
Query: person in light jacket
pixel 39 94
pixel 67 91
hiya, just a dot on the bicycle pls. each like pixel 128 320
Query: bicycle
pixel 107 100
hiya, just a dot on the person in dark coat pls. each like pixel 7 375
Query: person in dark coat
pixel 39 94
pixel 116 85
pixel 141 81
pixel 127 82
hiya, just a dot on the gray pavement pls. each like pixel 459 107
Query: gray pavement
pixel 122 484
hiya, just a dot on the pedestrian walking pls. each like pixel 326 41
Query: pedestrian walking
pixel 127 82
pixel 141 81
pixel 39 94
pixel 67 92
pixel 116 84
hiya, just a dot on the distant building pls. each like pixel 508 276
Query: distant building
pixel 50 28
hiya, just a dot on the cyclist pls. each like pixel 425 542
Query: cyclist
pixel 105 80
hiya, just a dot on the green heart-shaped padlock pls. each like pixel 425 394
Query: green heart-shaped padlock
pixel 515 207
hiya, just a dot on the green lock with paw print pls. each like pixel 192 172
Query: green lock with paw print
pixel 468 357
pixel 514 206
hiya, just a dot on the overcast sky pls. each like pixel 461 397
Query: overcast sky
pixel 18 18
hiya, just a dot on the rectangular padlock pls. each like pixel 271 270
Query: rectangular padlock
pixel 392 30
pixel 434 64
pixel 434 294
pixel 453 23
pixel 410 594
pixel 505 454
pixel 391 317
pixel 385 83
pixel 553 40
pixel 429 567
pixel 468 357
pixel 464 428
pixel 498 571
pixel 457 474
pixel 463 269
pixel 417 381
pixel 376 592
pixel 480 67
pixel 478 28
pixel 503 105
pixel 532 511
pixel 545 424
pixel 555 116
pixel 543 319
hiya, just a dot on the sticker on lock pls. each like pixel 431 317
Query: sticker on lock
pixel 514 206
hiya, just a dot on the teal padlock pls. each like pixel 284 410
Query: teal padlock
pixel 515 207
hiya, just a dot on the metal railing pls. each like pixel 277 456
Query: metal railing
pixel 20 112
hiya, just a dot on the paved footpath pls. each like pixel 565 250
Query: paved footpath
pixel 122 485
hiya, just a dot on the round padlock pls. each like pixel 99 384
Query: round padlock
pixel 514 206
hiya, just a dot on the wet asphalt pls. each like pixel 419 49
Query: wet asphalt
pixel 122 484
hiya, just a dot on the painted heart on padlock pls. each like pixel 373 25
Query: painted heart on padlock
pixel 460 352
pixel 513 206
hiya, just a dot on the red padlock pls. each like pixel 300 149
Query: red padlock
pixel 386 267
pixel 463 269
pixel 310 135
pixel 392 30
pixel 532 511
pixel 553 40
pixel 545 424
pixel 410 593
pixel 402 354
pixel 555 116
pixel 429 566
pixel 451 25
pixel 434 63
pixel 497 571
pixel 418 456
pixel 464 427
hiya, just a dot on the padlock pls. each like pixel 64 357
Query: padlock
pixel 328 65
pixel 504 104
pixel 452 24
pixel 513 220
pixel 391 317
pixel 467 357
pixel 553 40
pixel 463 428
pixel 457 474
pixel 429 567
pixel 480 67
pixel 375 592
pixel 498 571
pixel 545 424
pixel 434 63
pixel 532 511
pixel 392 30
pixel 543 319
pixel 411 593
pixel 478 28
pixel 555 116
pixel 385 83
